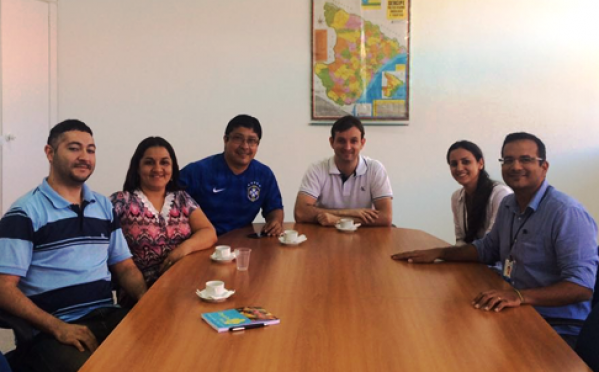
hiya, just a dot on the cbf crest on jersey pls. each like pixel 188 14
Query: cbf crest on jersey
pixel 253 191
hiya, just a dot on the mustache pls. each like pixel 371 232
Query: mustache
pixel 87 165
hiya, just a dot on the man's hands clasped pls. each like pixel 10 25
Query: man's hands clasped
pixel 363 215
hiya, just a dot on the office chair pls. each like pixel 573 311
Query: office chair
pixel 4 367
pixel 596 291
pixel 23 331
pixel 587 345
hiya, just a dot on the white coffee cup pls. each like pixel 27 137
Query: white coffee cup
pixel 215 288
pixel 223 251
pixel 346 223
pixel 290 236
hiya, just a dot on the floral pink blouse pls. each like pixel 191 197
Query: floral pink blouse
pixel 151 235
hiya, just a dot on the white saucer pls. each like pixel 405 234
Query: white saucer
pixel 350 230
pixel 215 258
pixel 300 239
pixel 205 297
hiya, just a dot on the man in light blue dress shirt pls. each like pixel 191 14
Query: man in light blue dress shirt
pixel 545 239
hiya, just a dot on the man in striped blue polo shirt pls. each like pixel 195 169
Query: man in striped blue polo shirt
pixel 59 247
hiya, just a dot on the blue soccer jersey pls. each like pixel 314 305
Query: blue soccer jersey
pixel 231 201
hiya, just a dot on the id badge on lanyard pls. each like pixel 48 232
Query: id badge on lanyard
pixel 510 262
pixel 508 267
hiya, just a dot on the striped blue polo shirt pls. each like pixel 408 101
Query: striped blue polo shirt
pixel 62 251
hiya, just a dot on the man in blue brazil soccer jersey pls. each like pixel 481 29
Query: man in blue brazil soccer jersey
pixel 232 187
pixel 59 245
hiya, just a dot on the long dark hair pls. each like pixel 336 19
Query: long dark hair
pixel 477 213
pixel 132 181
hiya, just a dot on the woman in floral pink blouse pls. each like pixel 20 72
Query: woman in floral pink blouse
pixel 161 222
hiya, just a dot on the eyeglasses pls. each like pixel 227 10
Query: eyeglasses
pixel 523 160
pixel 239 140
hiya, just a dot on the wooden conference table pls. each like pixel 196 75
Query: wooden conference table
pixel 344 305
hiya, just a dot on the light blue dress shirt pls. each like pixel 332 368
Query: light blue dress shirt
pixel 555 241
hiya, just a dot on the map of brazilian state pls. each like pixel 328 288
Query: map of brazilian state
pixel 363 73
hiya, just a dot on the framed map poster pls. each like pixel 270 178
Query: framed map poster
pixel 360 60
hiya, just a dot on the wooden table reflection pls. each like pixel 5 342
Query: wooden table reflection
pixel 344 306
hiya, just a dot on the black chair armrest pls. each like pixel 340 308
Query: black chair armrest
pixel 23 331
pixel 564 322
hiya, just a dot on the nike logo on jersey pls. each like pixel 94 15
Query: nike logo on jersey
pixel 215 190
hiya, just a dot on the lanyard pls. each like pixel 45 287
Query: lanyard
pixel 514 238
pixel 464 217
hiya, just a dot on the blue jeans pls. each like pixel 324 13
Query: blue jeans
pixel 46 354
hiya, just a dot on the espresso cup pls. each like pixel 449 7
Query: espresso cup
pixel 290 236
pixel 346 223
pixel 215 288
pixel 223 251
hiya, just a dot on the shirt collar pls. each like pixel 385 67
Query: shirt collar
pixel 223 164
pixel 462 193
pixel 360 169
pixel 536 200
pixel 534 203
pixel 58 201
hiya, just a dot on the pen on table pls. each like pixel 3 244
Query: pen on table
pixel 249 326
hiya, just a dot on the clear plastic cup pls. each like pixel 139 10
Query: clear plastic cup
pixel 242 258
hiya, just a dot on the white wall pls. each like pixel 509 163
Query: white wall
pixel 480 69
pixel 28 93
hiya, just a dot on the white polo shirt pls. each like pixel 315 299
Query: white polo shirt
pixel 369 182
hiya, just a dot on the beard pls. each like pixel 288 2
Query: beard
pixel 72 174
pixel 78 179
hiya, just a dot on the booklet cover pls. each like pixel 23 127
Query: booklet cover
pixel 222 321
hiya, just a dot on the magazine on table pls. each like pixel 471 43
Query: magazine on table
pixel 240 319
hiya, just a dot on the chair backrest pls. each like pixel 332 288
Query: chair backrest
pixel 4 367
pixel 587 345
pixel 23 331
pixel 596 292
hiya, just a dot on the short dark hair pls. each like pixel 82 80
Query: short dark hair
pixel 66 126
pixel 345 123
pixel 519 136
pixel 132 181
pixel 245 121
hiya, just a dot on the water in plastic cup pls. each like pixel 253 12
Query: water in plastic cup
pixel 242 258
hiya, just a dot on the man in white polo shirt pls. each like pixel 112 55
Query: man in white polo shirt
pixel 346 185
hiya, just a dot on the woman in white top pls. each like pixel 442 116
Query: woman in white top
pixel 475 205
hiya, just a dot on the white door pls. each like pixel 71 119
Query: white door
pixel 28 93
